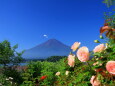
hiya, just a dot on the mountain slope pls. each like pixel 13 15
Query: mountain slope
pixel 49 48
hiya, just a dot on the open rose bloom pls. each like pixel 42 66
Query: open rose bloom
pixel 75 46
pixel 71 60
pixel 99 48
pixel 110 67
pixel 94 81
pixel 83 54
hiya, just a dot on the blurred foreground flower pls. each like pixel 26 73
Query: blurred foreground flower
pixel 75 46
pixel 95 63
pixel 96 41
pixel 109 31
pixel 94 81
pixel 101 37
pixel 57 74
pixel 99 48
pixel 10 78
pixel 11 82
pixel 7 78
pixel 71 60
pixel 106 45
pixel 67 72
pixel 104 29
pixel 83 54
pixel 110 67
pixel 43 77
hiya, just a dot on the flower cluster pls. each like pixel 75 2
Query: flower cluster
pixel 101 64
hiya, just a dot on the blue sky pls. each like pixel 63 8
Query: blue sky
pixel 25 22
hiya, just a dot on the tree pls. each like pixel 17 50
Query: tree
pixel 10 59
pixel 8 55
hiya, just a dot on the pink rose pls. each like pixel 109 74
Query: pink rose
pixel 71 60
pixel 110 67
pixel 99 48
pixel 83 54
pixel 94 81
pixel 75 46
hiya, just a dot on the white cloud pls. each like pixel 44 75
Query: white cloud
pixel 46 36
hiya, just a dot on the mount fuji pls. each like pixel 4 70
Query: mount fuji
pixel 52 47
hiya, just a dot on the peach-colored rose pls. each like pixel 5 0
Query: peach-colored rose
pixel 75 46
pixel 94 81
pixel 110 67
pixel 104 29
pixel 99 48
pixel 83 54
pixel 71 60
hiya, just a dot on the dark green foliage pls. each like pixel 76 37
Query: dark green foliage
pixel 5 52
pixel 38 69
pixel 8 54
pixel 3 81
pixel 55 58
pixel 17 78
pixel 10 58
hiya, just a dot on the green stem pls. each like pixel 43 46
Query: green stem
pixel 89 65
